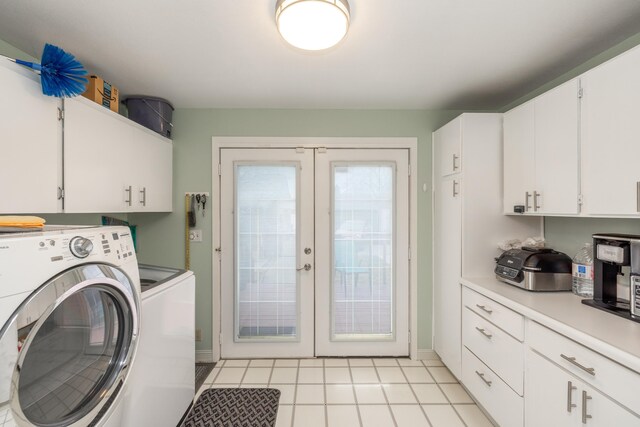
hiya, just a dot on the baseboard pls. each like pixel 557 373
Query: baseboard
pixel 204 356
pixel 427 354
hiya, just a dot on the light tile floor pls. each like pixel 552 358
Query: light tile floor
pixel 356 392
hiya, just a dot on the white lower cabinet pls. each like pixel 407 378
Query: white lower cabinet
pixel 524 373
pixel 554 397
pixel 496 397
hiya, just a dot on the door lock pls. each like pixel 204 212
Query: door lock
pixel 306 267
pixel 307 251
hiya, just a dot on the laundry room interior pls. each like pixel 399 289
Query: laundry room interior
pixel 327 213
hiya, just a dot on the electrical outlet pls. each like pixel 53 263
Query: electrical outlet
pixel 195 235
pixel 198 334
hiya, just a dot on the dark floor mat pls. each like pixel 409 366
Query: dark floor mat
pixel 202 372
pixel 235 407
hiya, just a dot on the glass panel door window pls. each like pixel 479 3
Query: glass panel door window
pixel 266 225
pixel 362 251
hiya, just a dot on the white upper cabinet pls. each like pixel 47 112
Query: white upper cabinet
pixel 541 153
pixel 611 137
pixel 449 139
pixel 519 154
pixel 556 150
pixel 98 163
pixel 30 144
pixel 154 177
pixel 113 164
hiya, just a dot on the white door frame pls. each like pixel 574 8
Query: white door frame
pixel 410 143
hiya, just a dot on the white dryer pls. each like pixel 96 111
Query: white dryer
pixel 69 325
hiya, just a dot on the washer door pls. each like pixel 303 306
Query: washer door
pixel 73 342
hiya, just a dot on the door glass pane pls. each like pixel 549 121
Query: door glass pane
pixel 71 358
pixel 362 251
pixel 266 246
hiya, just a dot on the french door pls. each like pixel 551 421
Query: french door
pixel 314 258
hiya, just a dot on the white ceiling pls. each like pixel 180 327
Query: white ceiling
pixel 404 54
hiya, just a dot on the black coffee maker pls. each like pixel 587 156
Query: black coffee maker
pixel 612 252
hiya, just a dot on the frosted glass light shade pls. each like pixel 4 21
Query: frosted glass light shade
pixel 312 24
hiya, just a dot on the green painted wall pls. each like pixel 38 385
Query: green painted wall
pixel 161 236
pixel 12 52
pixel 569 234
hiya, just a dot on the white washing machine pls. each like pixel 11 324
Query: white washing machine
pixel 69 324
pixel 162 381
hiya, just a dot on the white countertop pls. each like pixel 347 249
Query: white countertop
pixel 610 335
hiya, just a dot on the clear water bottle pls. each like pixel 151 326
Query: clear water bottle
pixel 582 271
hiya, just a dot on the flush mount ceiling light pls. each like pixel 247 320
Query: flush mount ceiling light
pixel 312 24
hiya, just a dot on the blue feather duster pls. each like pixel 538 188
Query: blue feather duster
pixel 61 74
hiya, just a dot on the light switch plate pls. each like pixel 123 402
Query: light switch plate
pixel 195 235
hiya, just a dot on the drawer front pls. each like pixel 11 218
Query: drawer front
pixel 504 318
pixel 501 352
pixel 613 379
pixel 504 406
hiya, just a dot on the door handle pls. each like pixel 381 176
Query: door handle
pixel 455 166
pixel 527 196
pixel 638 196
pixel 143 194
pixel 535 200
pixel 128 191
pixel 486 381
pixel 585 415
pixel 484 308
pixel 455 184
pixel 572 360
pixel 483 332
pixel 306 267
pixel 570 388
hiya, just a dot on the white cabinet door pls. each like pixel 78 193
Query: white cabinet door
pixel 550 394
pixel 153 176
pixel 449 140
pixel 554 397
pixel 519 158
pixel 610 137
pixel 98 159
pixel 30 144
pixel 447 271
pixel 556 150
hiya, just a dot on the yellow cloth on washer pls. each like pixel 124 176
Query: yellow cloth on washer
pixel 17 221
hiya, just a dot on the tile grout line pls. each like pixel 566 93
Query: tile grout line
pixel 447 397
pixel 324 394
pixel 415 395
pixel 384 393
pixel 355 396
pixel 295 394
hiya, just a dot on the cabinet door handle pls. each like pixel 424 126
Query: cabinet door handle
pixel 527 196
pixel 638 196
pixel 143 194
pixel 585 398
pixel 455 185
pixel 484 308
pixel 483 332
pixel 572 360
pixel 535 201
pixel 486 381
pixel 128 199
pixel 570 388
pixel 455 166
